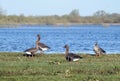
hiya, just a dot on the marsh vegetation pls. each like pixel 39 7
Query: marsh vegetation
pixel 74 17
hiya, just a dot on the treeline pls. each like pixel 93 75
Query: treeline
pixel 72 18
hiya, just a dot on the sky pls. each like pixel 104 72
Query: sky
pixel 58 7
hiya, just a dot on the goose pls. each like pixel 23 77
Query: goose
pixel 71 56
pixel 42 47
pixel 98 50
pixel 31 51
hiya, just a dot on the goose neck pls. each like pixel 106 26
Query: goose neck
pixel 37 44
pixel 67 51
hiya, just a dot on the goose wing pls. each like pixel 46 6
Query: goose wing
pixel 30 50
pixel 103 51
pixel 42 45
pixel 72 55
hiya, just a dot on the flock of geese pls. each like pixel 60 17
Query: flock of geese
pixel 69 56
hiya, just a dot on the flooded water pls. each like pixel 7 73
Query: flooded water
pixel 80 38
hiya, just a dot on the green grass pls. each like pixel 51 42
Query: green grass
pixel 54 67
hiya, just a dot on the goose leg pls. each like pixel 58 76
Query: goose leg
pixel 42 53
pixel 32 54
pixel 97 54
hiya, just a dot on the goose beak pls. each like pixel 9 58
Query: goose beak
pixel 38 35
pixel 65 46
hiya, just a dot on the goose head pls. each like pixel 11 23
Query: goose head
pixel 66 46
pixel 96 43
pixel 38 35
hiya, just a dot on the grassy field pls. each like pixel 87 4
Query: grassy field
pixel 54 67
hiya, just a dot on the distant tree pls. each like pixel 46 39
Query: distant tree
pixel 74 16
pixel 100 13
pixel 21 18
pixel 75 13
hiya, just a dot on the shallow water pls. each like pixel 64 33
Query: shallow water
pixel 80 38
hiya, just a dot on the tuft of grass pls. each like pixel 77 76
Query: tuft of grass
pixel 54 67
